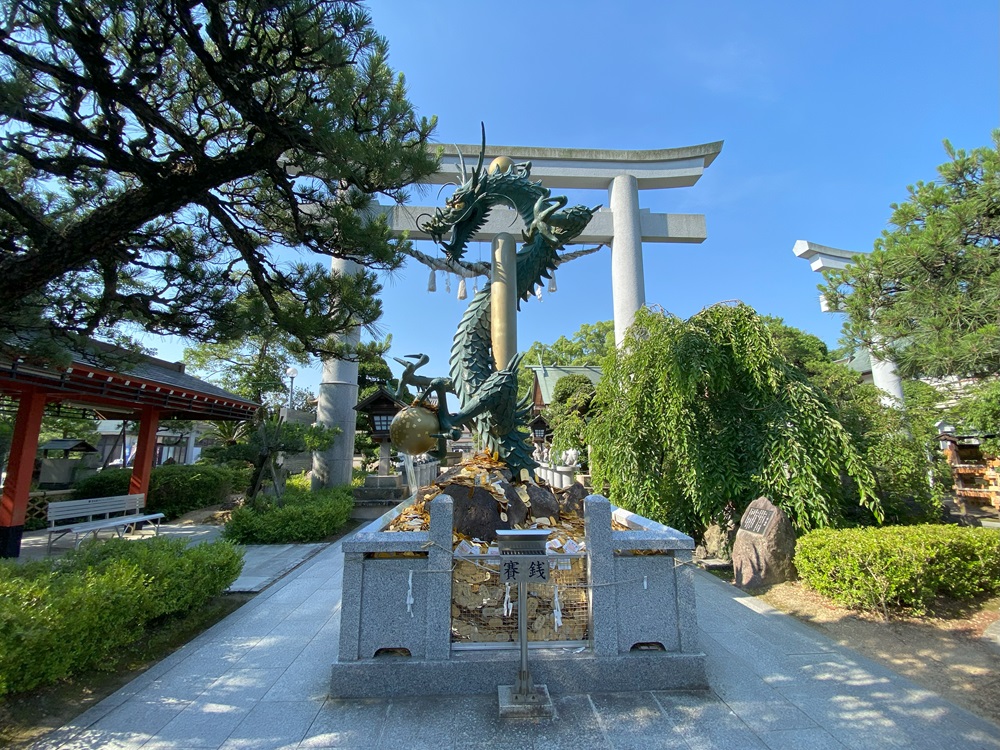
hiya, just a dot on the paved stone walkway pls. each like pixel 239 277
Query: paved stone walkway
pixel 263 564
pixel 258 679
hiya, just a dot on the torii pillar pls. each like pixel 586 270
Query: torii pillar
pixel 628 282
pixel 338 395
pixel 820 257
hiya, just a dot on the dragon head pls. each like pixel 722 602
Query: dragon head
pixel 466 211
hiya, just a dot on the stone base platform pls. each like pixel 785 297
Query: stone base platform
pixel 482 672
pixel 540 707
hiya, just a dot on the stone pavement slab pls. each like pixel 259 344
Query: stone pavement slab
pixel 260 678
pixel 263 564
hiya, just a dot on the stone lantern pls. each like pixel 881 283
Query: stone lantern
pixel 380 408
pixel 540 430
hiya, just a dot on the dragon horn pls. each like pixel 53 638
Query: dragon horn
pixel 482 155
pixel 461 164
pixel 452 184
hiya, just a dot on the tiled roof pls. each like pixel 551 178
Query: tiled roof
pixel 548 375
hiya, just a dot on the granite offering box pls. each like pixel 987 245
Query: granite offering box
pixel 395 630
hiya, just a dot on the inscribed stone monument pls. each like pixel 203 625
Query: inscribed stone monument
pixel 764 548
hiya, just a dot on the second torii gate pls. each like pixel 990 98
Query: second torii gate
pixel 821 257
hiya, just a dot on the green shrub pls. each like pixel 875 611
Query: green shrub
pixel 52 625
pixel 173 490
pixel 905 567
pixel 66 616
pixel 181 577
pixel 303 517
pixel 240 474
pixel 105 483
pixel 298 484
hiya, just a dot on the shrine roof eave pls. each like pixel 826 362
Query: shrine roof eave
pixel 122 394
pixel 583 168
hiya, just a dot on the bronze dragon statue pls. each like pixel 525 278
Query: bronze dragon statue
pixel 488 397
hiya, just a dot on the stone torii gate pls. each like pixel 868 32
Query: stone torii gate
pixel 622 224
pixel 822 257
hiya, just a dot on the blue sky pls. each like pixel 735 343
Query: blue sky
pixel 828 111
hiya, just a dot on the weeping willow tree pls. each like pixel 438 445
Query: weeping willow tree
pixel 695 418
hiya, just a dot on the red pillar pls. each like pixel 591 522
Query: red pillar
pixel 145 450
pixel 20 465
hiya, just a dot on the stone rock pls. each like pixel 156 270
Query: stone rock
pixel 543 502
pixel 764 549
pixel 716 543
pixel 447 475
pixel 571 499
pixel 427 493
pixel 517 511
pixel 477 512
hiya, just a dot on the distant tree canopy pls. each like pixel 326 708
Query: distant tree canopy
pixel 156 155
pixel 588 346
pixel 928 295
pixel 373 373
pixel 696 418
pixel 252 359
pixel 567 414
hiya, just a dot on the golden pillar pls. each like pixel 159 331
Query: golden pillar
pixel 503 300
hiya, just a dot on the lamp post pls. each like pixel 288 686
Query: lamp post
pixel 291 372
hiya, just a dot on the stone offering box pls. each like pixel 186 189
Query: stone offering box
pixel 408 626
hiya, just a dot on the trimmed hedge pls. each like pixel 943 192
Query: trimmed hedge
pixel 105 483
pixel 173 490
pixel 902 567
pixel 62 617
pixel 303 517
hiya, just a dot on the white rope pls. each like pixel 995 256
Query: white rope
pixel 496 559
pixel 409 596
pixel 432 281
pixel 552 283
pixel 461 289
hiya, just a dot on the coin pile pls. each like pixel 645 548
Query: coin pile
pixel 414 517
pixel 477 609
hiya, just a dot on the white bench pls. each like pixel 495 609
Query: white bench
pixel 128 506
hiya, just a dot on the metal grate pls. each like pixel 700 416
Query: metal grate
pixel 477 604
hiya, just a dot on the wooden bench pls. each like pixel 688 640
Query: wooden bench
pixel 118 513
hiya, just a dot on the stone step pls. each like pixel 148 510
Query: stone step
pixel 388 482
pixel 388 494
pixel 368 512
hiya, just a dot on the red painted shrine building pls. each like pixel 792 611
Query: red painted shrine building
pixel 109 385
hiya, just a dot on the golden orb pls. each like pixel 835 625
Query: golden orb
pixel 501 164
pixel 411 430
